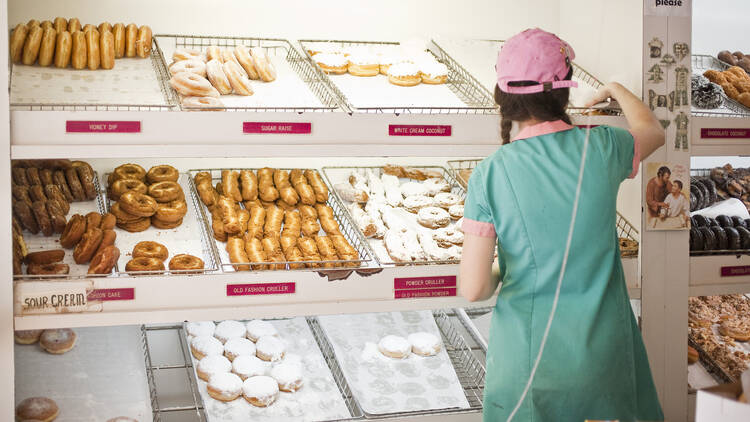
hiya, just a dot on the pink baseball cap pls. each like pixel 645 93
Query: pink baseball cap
pixel 537 56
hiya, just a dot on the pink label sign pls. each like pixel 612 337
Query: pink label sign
pixel 276 127
pixel 260 289
pixel 735 271
pixel 422 293
pixel 712 133
pixel 102 126
pixel 112 294
pixel 419 130
pixel 424 282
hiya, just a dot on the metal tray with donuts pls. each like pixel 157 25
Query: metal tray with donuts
pixel 157 221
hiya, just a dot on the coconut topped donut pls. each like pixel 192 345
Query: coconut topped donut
pixel 424 344
pixel 200 328
pixel 394 347
pixel 432 68
pixel 258 328
pixel 331 59
pixel 362 58
pixel 403 69
pixel 229 329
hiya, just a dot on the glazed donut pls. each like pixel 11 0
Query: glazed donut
pixel 89 27
pixel 32 23
pixel 123 185
pixel 202 346
pixel 164 225
pixel 104 27
pixel 192 85
pixel 78 53
pixel 433 217
pixel 394 347
pixel 263 64
pixel 247 366
pixel 39 208
pixel 131 34
pixel 104 260
pixel 143 42
pixel 230 183
pixel 238 346
pixel 318 185
pixel 142 264
pixel 93 220
pixel 149 249
pixel 186 54
pixel 200 328
pixel 108 238
pixel 121 216
pixel 213 52
pixel 135 226
pixel 229 329
pixel 417 202
pixel 288 375
pixel 88 244
pixel 45 257
pixel 56 268
pixel 46 24
pixel 73 231
pixel 31 45
pixel 242 54
pixel 92 48
pixel 270 349
pixel 185 262
pixel 424 344
pixel 240 83
pixel 446 237
pixel 224 386
pixel 74 25
pixel 59 177
pixel 260 391
pixel 27 336
pixel 17 40
pixel 138 204
pixel 86 177
pixel 213 364
pixel 128 171
pixel 107 50
pixel 191 66
pixel 58 341
pixel 447 200
pixel 37 193
pixel 162 173
pixel 202 103
pixel 217 77
pixel 37 409
pixel 47 47
pixel 166 191
pixel 118 32
pixel 74 183
pixel 60 24
pixel 170 212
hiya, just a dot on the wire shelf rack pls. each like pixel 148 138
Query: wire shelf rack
pixel 159 67
pixel 347 227
pixel 730 107
pixel 378 170
pixel 273 47
pixel 711 366
pixel 460 82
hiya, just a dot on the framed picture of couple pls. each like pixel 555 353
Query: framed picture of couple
pixel 667 199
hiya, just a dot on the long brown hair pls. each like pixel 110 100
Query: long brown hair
pixel 544 106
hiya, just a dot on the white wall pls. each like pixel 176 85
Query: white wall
pixel 721 25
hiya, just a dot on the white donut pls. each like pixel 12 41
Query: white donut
pixel 417 202
pixel 211 365
pixel 460 224
pixel 433 217
pixel 263 65
pixel 200 328
pixel 446 199
pixel 237 78
pixel 260 391
pixel 191 85
pixel 448 236
pixel 186 54
pixel 249 366
pixel 394 347
pixel 413 188
pixel 192 66
pixel 288 375
pixel 213 52
pixel 206 346
pixel 456 211
pixel 258 328
pixel 238 346
pixel 229 329
pixel 217 77
pixel 435 185
pixel 424 344
pixel 270 349
pixel 202 103
pixel 224 386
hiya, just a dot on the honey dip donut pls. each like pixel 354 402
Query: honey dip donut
pixel 183 262
pixel 224 386
pixel 165 191
pixel 27 336
pixel 229 329
pixel 118 32
pixel 131 36
pixel 270 349
pixel 123 185
pixel 57 341
pixel 165 225
pixel 162 173
pixel 424 344
pixel 107 50
pixel 143 264
pixel 47 47
pixel 78 53
pixel 63 49
pixel 288 375
pixel 213 364
pixel 200 328
pixel 31 45
pixel 247 366
pixel 143 42
pixel 150 249
pixel 394 347
pixel 17 40
pixel 260 391
pixel 37 409
pixel 258 328
pixel 238 346
pixel 128 171
pixel 192 85
pixel 137 204
pixel 204 345
pixel 92 48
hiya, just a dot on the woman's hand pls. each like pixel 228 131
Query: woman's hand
pixel 600 96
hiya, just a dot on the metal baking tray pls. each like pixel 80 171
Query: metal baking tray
pixel 464 86
pixel 730 107
pixel 348 229
pixel 331 174
pixel 290 65
pixel 712 367
pixel 161 75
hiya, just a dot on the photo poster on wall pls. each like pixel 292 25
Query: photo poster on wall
pixel 667 196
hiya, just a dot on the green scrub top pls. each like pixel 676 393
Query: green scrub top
pixel 594 364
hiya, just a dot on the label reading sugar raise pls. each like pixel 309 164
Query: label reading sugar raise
pixel 713 133
pixel 112 294
pixel 277 127
pixel 424 293
pixel 419 130
pixel 424 282
pixel 102 126
pixel 735 271
pixel 260 289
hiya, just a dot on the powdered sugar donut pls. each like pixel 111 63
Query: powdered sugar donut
pixel 417 202
pixel 258 328
pixel 448 236
pixel 260 391
pixel 238 346
pixel 394 347
pixel 460 224
pixel 249 366
pixel 200 328
pixel 269 349
pixel 436 185
pixel 413 188
pixel 456 211
pixel 203 346
pixel 288 375
pixel 424 344
pixel 447 200
pixel 229 329
pixel 224 386
pixel 211 365
pixel 433 217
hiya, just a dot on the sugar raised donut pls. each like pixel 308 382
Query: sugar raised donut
pixel 260 391
pixel 37 409
pixel 239 82
pixel 238 346
pixel 191 66
pixel 224 386
pixel 247 366
pixel 200 328
pixel 192 85
pixel 213 364
pixel 203 103
pixel 288 375
pixel 58 341
pixel 258 328
pixel 263 64
pixel 186 54
pixel 270 349
pixel 245 59
pixel 217 77
pixel 202 346
pixel 394 347
pixel 424 344
pixel 229 329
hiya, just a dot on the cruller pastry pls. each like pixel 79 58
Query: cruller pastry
pixel 236 249
pixel 230 184
pixel 248 185
pixel 255 252
pixel 273 252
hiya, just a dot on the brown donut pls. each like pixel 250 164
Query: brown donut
pixel 27 336
pixel 86 177
pixel 170 212
pixel 39 208
pixel 46 24
pixel 56 215
pixel 75 184
pixel 47 47
pixel 45 175
pixel 104 26
pixel 149 249
pixel 57 268
pixel 185 262
pixel 17 40
pixel 104 260
pixel 108 221
pixel 138 204
pixel 63 49
pixel 25 216
pixel 165 225
pixel 37 193
pixel 32 44
pixel 93 220
pixel 165 191
pixel 143 42
pixel 32 175
pixel 32 23
pixel 131 34
pixel 107 49
pixel 61 24
pixel 19 176
pixel 144 264
pixel 59 177
pixel 118 30
pixel 58 341
pixel 92 48
pixel 108 238
pixel 45 257
pixel 129 171
pixel 123 185
pixel 78 53
pixel 21 193
pixel 162 173
pixel 122 216
pixel 139 225
pixel 88 245
pixel 37 408
pixel 53 192
pixel 74 25
pixel 73 231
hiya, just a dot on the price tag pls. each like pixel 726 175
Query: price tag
pixel 53 301
pixel 419 130
pixel 261 289
pixel 735 271
pixel 112 294
pixel 277 127
pixel 102 126
pixel 423 293
pixel 714 133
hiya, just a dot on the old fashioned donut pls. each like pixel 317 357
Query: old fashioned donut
pixel 25 216
pixel 171 212
pixel 192 85
pixel 122 216
pixel 104 260
pixel 20 177
pixel 123 185
pixel 37 193
pixel 229 329
pixel 118 32
pixel 447 199
pixel 186 54
pixel 31 45
pixel 143 42
pixel 74 25
pixel 190 66
pixel 128 171
pixel 27 336
pixel 138 204
pixel 150 249
pixel 45 257
pixel 74 183
pixel 59 177
pixel 288 375
pixel 238 346
pixel 108 238
pixel 92 48
pixel 270 348
pixel 433 217
pixel 245 59
pixel 58 341
pixel 260 391
pixel 131 35
pixel 53 192
pixel 247 366
pixel 107 49
pixel 144 264
pixel 45 175
pixel 200 328
pixel 39 208
pixel 224 386
pixel 185 262
pixel 394 347
pixel 217 77
pixel 203 103
pixel 163 225
pixel 73 231
pixel 37 409
pixel 57 268
pixel 47 47
pixel 448 236
pixel 240 83
pixel 21 193
pixel 213 364
pixel 165 191
pixel 88 244
pixel 86 177
pixel 108 221
pixel 93 219
pixel 162 173
pixel 56 215
pixel 204 345
pixel 424 344
pixel 135 226
pixel 17 40
pixel 78 53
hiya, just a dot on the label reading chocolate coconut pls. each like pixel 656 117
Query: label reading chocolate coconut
pixel 718 133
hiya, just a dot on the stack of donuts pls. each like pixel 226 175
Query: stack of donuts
pixel 201 77
pixel 145 198
pixel 92 239
pixel 150 256
pixel 65 42
pixel 274 217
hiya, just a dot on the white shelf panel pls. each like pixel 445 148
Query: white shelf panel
pixel 706 275
pixel 736 142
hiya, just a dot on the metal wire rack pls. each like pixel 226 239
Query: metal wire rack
pixel 711 366
pixel 455 189
pixel 466 315
pixel 158 63
pixel 730 107
pixel 273 47
pixel 347 227
pixel 460 82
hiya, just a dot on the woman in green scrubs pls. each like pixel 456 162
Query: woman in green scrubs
pixel 520 199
